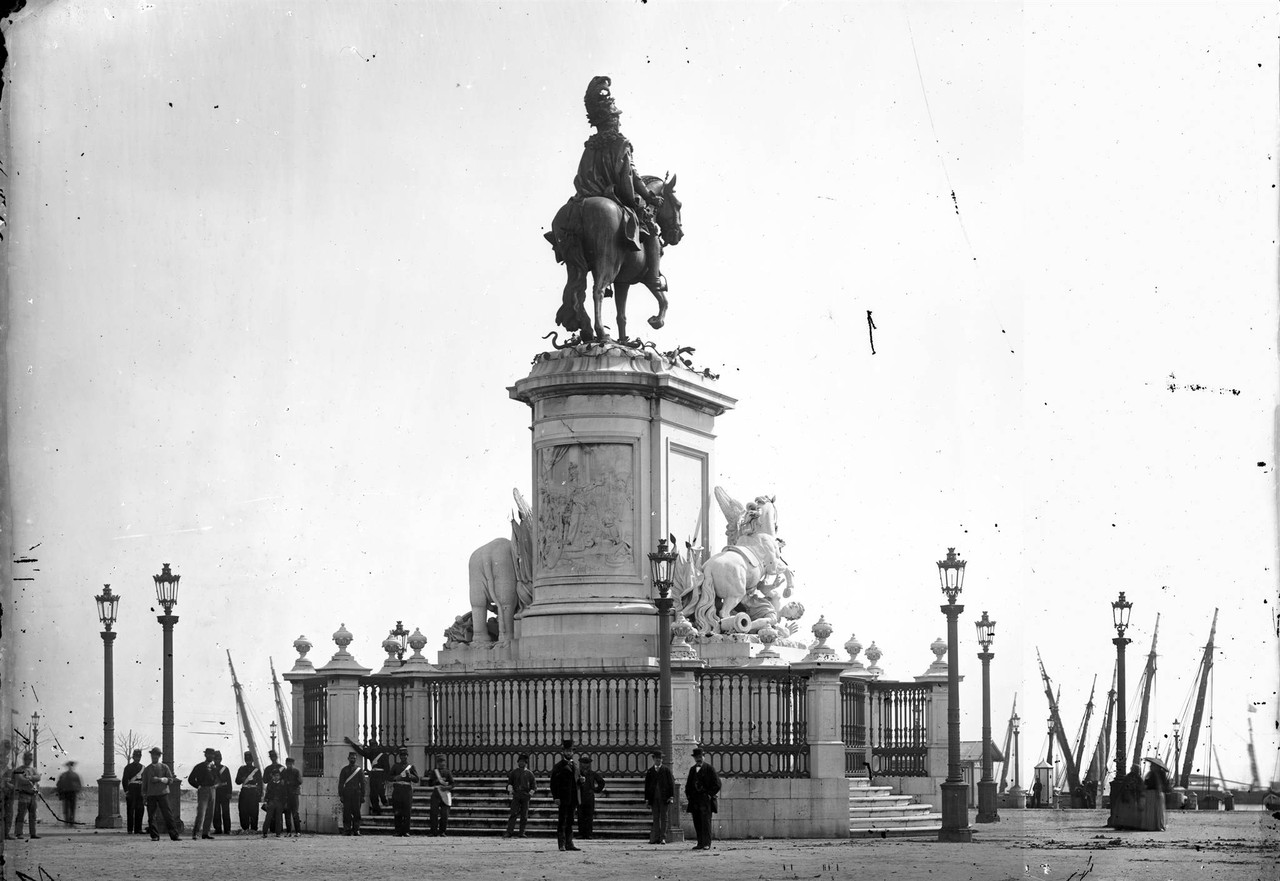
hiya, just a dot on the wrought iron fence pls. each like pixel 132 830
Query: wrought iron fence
pixel 755 723
pixel 384 710
pixel 480 724
pixel 853 726
pixel 899 722
pixel 315 723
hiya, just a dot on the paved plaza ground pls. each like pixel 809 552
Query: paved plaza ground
pixel 1052 845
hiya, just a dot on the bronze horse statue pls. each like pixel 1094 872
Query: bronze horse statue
pixel 594 242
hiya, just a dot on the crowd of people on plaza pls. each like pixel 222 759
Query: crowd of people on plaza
pixel 388 782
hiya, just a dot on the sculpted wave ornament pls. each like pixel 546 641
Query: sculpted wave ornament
pixel 741 589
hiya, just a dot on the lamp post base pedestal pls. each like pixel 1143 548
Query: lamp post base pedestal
pixel 175 804
pixel 108 803
pixel 955 813
pixel 987 812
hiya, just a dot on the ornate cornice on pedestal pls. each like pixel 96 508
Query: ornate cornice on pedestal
pixel 613 369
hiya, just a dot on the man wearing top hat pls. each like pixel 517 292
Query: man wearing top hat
pixel 521 786
pixel 69 787
pixel 155 786
pixel 204 778
pixel 564 789
pixel 659 793
pixel 134 801
pixel 701 789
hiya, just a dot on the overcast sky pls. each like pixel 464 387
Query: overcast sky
pixel 273 266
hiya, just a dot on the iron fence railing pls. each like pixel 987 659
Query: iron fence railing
pixel 755 723
pixel 900 725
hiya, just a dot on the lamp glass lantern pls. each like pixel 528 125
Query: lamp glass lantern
pixel 951 575
pixel 400 635
pixel 1120 614
pixel 986 632
pixel 108 603
pixel 662 564
pixel 166 588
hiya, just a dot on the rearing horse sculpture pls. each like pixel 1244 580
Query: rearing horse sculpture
pixel 751 556
pixel 593 241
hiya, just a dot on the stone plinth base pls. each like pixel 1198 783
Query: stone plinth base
pixel 955 813
pixel 766 807
pixel 593 630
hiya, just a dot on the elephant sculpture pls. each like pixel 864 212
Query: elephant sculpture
pixel 500 578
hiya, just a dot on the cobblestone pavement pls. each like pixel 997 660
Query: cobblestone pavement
pixel 1052 845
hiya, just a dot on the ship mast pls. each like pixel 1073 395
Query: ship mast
pixel 1206 665
pixel 1102 752
pixel 244 713
pixel 1084 726
pixel 1148 677
pixel 284 719
pixel 1256 781
pixel 1008 740
pixel 1073 772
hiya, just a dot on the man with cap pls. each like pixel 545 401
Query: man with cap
pixel 222 796
pixel 380 761
pixel 564 789
pixel 134 801
pixel 249 779
pixel 441 783
pixel 155 786
pixel 69 787
pixel 351 781
pixel 403 775
pixel 291 781
pixel 659 793
pixel 701 789
pixel 23 780
pixel 274 794
pixel 520 786
pixel 590 782
pixel 204 779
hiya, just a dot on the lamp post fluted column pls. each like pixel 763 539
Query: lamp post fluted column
pixel 987 811
pixel 1120 611
pixel 661 563
pixel 108 783
pixel 955 794
pixel 167 596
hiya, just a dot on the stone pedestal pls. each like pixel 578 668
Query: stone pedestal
pixel 622 455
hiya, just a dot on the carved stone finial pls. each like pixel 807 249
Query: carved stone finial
pixel 768 636
pixel 853 647
pixel 938 669
pixel 820 651
pixel 681 630
pixel 939 648
pixel 417 642
pixel 874 655
pixel 342 638
pixel 302 645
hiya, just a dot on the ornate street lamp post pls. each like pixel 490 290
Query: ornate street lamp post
pixel 401 636
pixel 108 783
pixel 1177 747
pixel 167 597
pixel 955 794
pixel 987 812
pixel 1016 792
pixel 661 562
pixel 1120 610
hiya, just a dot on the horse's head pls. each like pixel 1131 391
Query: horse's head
pixel 669 213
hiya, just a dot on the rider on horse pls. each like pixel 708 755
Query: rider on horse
pixel 606 170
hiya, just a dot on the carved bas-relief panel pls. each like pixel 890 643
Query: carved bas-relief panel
pixel 585 509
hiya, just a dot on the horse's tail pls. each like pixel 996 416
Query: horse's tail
pixel 704 612
pixel 565 235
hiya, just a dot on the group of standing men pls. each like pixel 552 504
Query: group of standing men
pixel 574 786
pixel 275 788
pixel 701 791
pixel 392 768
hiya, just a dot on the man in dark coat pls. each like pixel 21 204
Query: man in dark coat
pixel 351 782
pixel 23 780
pixel 403 776
pixel 69 787
pixel 701 789
pixel 564 789
pixel 590 782
pixel 274 794
pixel 659 794
pixel 156 778
pixel 521 786
pixel 203 778
pixel 249 779
pixel 134 801
pixel 441 783
pixel 291 780
pixel 380 761
pixel 222 797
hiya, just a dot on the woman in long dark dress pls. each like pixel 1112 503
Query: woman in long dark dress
pixel 1157 784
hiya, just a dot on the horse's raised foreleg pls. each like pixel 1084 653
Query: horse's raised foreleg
pixel 659 291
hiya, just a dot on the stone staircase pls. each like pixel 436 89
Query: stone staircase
pixel 875 812
pixel 481 804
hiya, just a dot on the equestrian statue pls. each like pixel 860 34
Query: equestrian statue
pixel 614 226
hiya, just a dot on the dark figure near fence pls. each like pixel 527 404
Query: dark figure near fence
pixel 23 781
pixel 564 789
pixel 403 777
pixel 221 796
pixel 441 783
pixel 659 794
pixel 274 795
pixel 249 779
pixel 155 785
pixel 380 762
pixel 134 801
pixel 351 783
pixel 590 784
pixel 1037 789
pixel 291 780
pixel 520 785
pixel 701 789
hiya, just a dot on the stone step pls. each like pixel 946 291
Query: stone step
pixel 879 800
pixel 891 811
pixel 889 831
